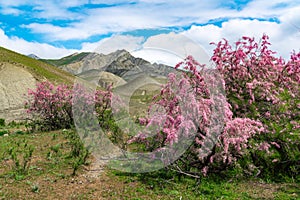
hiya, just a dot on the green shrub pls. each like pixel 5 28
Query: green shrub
pixel 21 153
pixel 78 153
pixel 12 124
pixel 3 132
pixel 2 122
pixel 19 132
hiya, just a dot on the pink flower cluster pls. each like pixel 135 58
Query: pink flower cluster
pixel 51 105
pixel 253 75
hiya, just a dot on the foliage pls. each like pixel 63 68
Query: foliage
pixel 266 88
pixel 2 122
pixel 260 112
pixel 78 153
pixel 50 106
pixel 3 132
pixel 198 116
pixel 21 154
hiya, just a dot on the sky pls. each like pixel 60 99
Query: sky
pixel 151 29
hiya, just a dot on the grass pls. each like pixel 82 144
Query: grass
pixel 66 60
pixel 154 186
pixel 40 70
pixel 50 176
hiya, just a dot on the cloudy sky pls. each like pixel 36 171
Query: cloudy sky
pixel 55 28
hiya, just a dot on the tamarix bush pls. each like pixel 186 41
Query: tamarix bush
pixel 219 137
pixel 260 121
pixel 50 106
pixel 264 87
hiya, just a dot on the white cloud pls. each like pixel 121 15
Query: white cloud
pixel 101 21
pixel 10 11
pixel 6 3
pixel 282 38
pixel 172 48
pixel 156 55
pixel 143 14
pixel 116 42
pixel 123 16
pixel 53 33
pixel 291 20
pixel 56 10
pixel 25 47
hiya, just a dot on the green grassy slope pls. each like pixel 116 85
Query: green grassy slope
pixel 40 70
pixel 66 60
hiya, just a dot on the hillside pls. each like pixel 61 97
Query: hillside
pixel 18 73
pixel 40 70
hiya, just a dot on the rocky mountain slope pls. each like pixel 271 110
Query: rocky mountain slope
pixel 119 64
pixel 18 73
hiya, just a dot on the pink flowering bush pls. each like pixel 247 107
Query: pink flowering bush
pixel 50 106
pixel 264 87
pixel 254 125
pixel 195 107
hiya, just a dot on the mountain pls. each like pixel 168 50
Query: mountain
pixel 33 56
pixel 119 63
pixel 18 73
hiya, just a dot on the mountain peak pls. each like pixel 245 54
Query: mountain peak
pixel 33 56
pixel 119 52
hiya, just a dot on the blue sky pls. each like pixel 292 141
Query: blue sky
pixel 54 28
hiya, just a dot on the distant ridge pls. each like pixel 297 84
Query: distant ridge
pixel 119 63
pixel 33 56
pixel 75 57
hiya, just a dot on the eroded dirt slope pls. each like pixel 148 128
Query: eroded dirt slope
pixel 14 84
